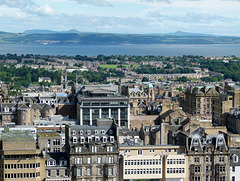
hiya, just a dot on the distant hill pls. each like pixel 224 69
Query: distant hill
pixel 49 31
pixel 76 37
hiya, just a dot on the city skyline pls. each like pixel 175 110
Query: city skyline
pixel 219 17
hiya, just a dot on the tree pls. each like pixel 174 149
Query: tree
pixel 144 79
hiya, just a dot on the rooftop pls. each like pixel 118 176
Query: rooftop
pixel 17 136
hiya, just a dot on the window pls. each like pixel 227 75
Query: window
pixel 89 160
pixel 74 139
pixel 89 172
pixel 78 160
pixel 73 132
pixel 109 149
pixel 56 142
pixel 79 172
pixel 140 152
pixel 99 171
pixel 233 168
pixel 233 178
pixel 235 158
pixel 49 163
pixel 56 150
pixel 104 139
pixel 197 169
pixel 89 132
pixel 19 175
pixel 221 159
pixel 94 148
pixel 151 151
pixel 112 139
pixel 110 171
pixel 196 159
pixel 82 140
pixel 99 160
pixel 57 173
pixel 109 159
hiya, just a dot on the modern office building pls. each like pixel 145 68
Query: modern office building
pixel 162 162
pixel 20 159
pixel 102 102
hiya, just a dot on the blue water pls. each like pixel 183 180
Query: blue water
pixel 92 50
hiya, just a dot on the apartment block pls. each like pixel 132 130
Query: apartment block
pixel 93 151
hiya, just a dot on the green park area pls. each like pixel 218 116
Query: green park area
pixel 118 66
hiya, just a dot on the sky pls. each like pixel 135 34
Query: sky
pixel 219 17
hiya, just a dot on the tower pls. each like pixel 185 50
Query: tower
pixel 64 79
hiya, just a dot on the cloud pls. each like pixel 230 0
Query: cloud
pixel 94 2
pixel 191 18
pixel 44 10
pixel 154 1
pixel 28 6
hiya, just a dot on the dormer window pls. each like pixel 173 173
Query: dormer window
pixel 96 132
pixel 82 140
pixel 63 162
pixel 73 132
pixel 111 139
pixel 6 109
pixel 103 131
pixel 235 158
pixel 104 139
pixel 74 139
pixel 220 141
pixel 89 139
pixel 81 132
pixel 51 162
pixel 97 138
pixel 147 129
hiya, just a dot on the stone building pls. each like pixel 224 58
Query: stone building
pixel 227 99
pixel 57 167
pixel 233 120
pixel 27 113
pixel 208 155
pixel 93 151
pixel 50 142
pixel 234 164
pixel 8 113
pixel 141 98
pixel 199 101
pixel 20 159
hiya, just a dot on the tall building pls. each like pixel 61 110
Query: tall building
pixel 199 101
pixel 20 159
pixel 222 104
pixel 102 102
pixel 93 151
